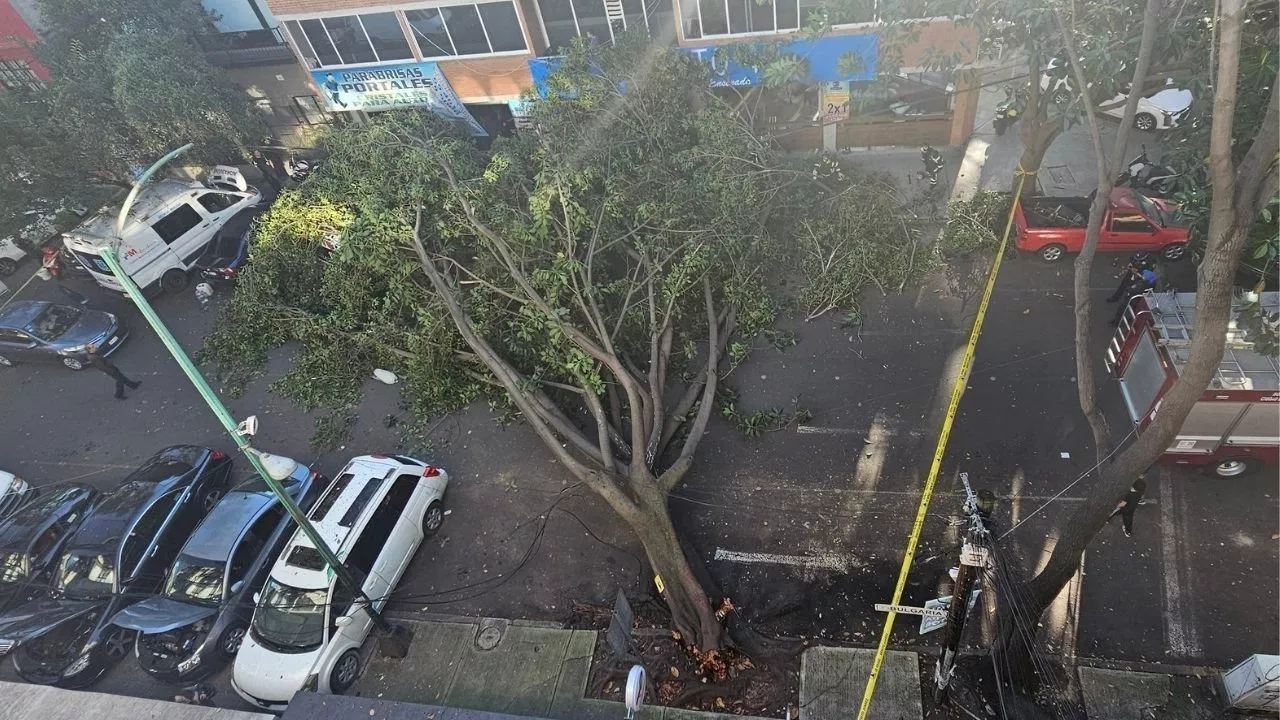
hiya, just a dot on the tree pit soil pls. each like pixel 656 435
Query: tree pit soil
pixel 762 687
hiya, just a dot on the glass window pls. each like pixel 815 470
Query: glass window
pixel 592 21
pixel 788 17
pixel 386 35
pixel 349 39
pixel 466 30
pixel 86 575
pixel 321 49
pixel 195 579
pixel 13 567
pixel 428 29
pixel 290 619
pixel 503 26
pixel 714 20
pixel 146 531
pixel 53 321
pixel 343 596
pixel 323 507
pixel 14 336
pixel 1131 224
pixel 216 202
pixel 177 223
pixel 557 17
pixel 233 16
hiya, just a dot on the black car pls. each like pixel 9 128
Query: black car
pixel 195 626
pixel 120 551
pixel 31 539
pixel 227 254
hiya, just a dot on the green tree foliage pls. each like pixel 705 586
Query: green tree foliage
pixel 130 82
pixel 590 274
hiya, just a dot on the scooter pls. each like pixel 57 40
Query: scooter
pixel 1151 178
pixel 1009 111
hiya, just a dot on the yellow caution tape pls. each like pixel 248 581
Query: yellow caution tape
pixel 957 391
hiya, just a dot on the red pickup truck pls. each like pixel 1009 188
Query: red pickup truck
pixel 1051 227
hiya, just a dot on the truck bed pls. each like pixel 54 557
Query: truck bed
pixel 1056 212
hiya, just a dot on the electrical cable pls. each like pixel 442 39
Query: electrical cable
pixel 1073 483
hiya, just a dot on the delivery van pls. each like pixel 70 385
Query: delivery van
pixel 167 230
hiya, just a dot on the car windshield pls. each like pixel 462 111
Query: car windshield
pixel 53 321
pixel 290 619
pixel 86 575
pixel 196 579
pixel 13 567
pixel 1151 210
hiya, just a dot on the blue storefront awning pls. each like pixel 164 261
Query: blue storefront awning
pixel 823 57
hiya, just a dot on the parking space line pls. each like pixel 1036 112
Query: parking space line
pixel 824 561
pixel 1182 636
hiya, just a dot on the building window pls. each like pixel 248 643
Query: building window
pixel 351 39
pixel 602 20
pixel 713 18
pixel 471 29
pixel 17 75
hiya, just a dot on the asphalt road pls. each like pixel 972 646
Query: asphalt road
pixel 803 528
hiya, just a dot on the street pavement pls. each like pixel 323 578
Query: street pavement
pixel 803 528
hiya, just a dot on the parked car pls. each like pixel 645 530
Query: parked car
pixel 121 549
pixel 228 253
pixel 41 330
pixel 1051 226
pixel 195 626
pixel 31 540
pixel 307 629
pixel 1160 110
pixel 14 493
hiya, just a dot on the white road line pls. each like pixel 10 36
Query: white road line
pixel 1180 634
pixel 876 491
pixel 818 430
pixel 825 561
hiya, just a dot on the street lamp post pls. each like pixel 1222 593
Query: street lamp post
pixel 395 640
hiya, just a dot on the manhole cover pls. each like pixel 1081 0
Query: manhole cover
pixel 1061 175
pixel 489 638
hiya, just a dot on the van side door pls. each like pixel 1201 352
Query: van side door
pixel 184 230
pixel 401 503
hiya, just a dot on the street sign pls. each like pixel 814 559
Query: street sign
pixel 932 622
pixel 974 556
pixel 911 610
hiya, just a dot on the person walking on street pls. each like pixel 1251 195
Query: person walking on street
pixel 1129 505
pixel 100 362
pixel 1131 274
pixel 268 172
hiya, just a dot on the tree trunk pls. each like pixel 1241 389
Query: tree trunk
pixel 1038 133
pixel 691 611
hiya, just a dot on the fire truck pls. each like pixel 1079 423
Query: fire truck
pixel 1234 428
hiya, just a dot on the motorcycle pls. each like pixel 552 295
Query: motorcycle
pixel 301 168
pixel 1009 111
pixel 1151 178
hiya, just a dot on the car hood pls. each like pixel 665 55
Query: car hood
pixel 90 326
pixel 42 616
pixel 271 676
pixel 160 614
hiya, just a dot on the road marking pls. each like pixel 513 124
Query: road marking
pixel 867 491
pixel 825 561
pixel 818 430
pixel 1181 635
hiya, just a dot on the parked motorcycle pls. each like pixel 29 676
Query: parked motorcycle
pixel 1151 178
pixel 1009 111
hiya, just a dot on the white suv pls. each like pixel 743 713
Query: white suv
pixel 307 629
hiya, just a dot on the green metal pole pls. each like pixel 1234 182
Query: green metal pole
pixel 224 416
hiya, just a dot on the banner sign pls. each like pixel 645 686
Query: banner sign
pixel 835 102
pixel 824 57
pixel 392 87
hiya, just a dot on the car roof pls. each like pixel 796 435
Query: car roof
pixel 20 313
pixel 119 507
pixel 333 527
pixel 17 530
pixel 216 536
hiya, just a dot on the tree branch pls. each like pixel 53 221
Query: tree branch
pixel 676 472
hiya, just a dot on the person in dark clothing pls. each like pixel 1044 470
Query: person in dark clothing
pixel 1131 274
pixel 100 362
pixel 1129 505
pixel 1143 280
pixel 268 172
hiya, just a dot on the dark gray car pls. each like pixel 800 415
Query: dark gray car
pixel 40 330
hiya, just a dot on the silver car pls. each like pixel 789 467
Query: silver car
pixel 40 330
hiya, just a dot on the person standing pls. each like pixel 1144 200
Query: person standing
pixel 100 362
pixel 1129 504
pixel 268 172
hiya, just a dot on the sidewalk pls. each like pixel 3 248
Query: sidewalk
pixel 542 672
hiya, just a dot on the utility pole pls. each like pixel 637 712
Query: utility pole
pixel 395 641
pixel 973 559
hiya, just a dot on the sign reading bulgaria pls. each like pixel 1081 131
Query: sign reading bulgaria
pixel 391 87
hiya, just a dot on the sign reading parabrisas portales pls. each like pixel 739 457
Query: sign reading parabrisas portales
pixel 391 87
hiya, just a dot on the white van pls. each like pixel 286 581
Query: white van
pixel 167 230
